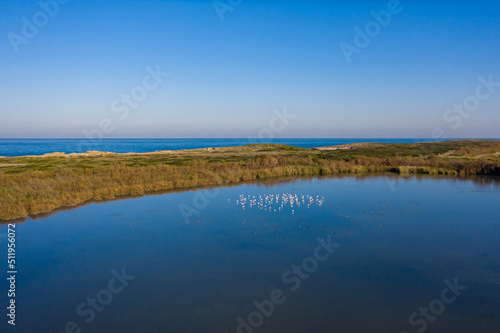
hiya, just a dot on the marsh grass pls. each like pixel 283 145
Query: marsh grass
pixel 34 185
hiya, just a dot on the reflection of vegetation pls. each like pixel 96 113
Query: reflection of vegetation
pixel 33 185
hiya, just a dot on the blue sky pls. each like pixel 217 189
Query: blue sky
pixel 227 76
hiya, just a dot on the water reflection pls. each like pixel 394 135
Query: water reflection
pixel 395 249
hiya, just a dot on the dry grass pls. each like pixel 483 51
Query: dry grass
pixel 34 185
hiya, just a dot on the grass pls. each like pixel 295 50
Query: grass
pixel 35 185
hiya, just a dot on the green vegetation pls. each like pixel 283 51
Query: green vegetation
pixel 34 185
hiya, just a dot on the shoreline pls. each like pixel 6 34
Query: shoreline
pixel 37 185
pixel 268 182
pixel 69 146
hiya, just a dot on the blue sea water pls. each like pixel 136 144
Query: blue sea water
pixel 23 147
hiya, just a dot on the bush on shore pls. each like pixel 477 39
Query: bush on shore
pixel 37 191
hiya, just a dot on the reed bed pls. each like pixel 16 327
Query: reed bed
pixel 42 184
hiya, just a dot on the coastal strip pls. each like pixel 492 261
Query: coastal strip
pixel 33 185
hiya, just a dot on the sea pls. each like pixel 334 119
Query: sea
pixel 24 147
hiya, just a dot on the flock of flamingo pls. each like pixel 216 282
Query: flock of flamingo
pixel 278 202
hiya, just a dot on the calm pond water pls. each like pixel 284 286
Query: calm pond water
pixel 369 254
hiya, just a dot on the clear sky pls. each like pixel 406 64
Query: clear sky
pixel 227 76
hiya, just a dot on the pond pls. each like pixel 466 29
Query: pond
pixel 350 254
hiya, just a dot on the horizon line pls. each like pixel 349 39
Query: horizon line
pixel 265 139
